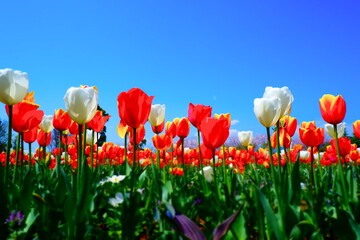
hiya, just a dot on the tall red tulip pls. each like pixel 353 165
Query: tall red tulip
pixel 182 127
pixel 25 116
pixel 310 135
pixel 61 120
pixel 214 132
pixel 31 136
pixel 197 113
pixel 140 134
pixel 134 107
pixel 97 123
pixel 332 108
pixel 43 138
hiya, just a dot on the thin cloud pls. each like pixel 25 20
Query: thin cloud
pixel 235 121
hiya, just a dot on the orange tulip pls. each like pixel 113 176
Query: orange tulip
pixel 182 127
pixel 356 128
pixel 197 113
pixel 332 108
pixel 97 123
pixel 134 107
pixel 170 127
pixel 310 135
pixel 61 120
pixel 162 142
pixel 290 123
pixel 214 132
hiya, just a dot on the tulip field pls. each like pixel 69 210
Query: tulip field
pixel 81 190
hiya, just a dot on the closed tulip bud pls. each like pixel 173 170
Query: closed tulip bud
pixel 157 114
pixel 214 132
pixel 89 138
pixel 197 113
pixel 332 108
pixel 162 142
pixel 13 86
pixel 356 128
pixel 61 120
pixel 208 173
pixel 304 155
pixel 46 124
pixel 267 110
pixel 285 96
pixel 290 123
pixel 329 128
pixel 310 135
pixel 81 104
pixel 182 127
pixel 245 138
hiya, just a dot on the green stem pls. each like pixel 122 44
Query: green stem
pixel 17 157
pixel 278 145
pixel 92 148
pixel 30 157
pixel 8 148
pixel 58 158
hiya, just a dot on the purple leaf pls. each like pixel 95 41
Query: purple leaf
pixel 188 227
pixel 222 229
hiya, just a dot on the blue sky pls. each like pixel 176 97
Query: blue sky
pixel 217 53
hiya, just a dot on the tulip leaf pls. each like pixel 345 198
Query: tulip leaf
pixel 224 227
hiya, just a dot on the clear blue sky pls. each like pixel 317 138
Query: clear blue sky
pixel 217 53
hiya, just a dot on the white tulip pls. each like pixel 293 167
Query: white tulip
pixel 304 155
pixel 81 104
pixel 13 86
pixel 329 129
pixel 285 96
pixel 46 124
pixel 245 137
pixel 157 114
pixel 89 137
pixel 208 173
pixel 267 110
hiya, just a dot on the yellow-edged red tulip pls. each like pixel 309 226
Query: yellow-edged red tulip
pixel 162 142
pixel 332 108
pixel 356 128
pixel 61 120
pixel 122 129
pixel 290 123
pixel 310 135
pixel 182 127
pixel 226 116
pixel 97 123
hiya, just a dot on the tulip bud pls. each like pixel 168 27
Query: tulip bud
pixel 208 173
pixel 13 86
pixel 267 110
pixel 285 96
pixel 245 138
pixel 46 124
pixel 329 128
pixel 81 104
pixel 89 139
pixel 157 114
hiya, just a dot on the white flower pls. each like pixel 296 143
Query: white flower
pixel 81 103
pixel 118 199
pixel 316 156
pixel 245 137
pixel 208 173
pixel 13 86
pixel 285 96
pixel 116 178
pixel 329 128
pixel 267 110
pixel 304 155
pixel 157 114
pixel 89 137
pixel 46 124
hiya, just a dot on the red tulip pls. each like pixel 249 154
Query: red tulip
pixel 310 135
pixel 332 108
pixel 170 127
pixel 140 134
pixel 31 136
pixel 61 120
pixel 25 116
pixel 97 123
pixel 214 132
pixel 162 142
pixel 182 127
pixel 344 145
pixel 134 107
pixel 158 129
pixel 197 113
pixel 43 138
pixel 290 123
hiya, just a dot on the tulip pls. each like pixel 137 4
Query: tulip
pixel 329 128
pixel 208 173
pixel 89 138
pixel 81 104
pixel 13 86
pixel 267 110
pixel 158 129
pixel 46 123
pixel 157 115
pixel 162 142
pixel 170 127
pixel 197 113
pixel 43 138
pixel 225 116
pixel 245 138
pixel 134 107
pixel 344 145
pixel 310 135
pixel 285 96
pixel 97 123
pixel 356 128
pixel 61 120
pixel 122 129
pixel 290 123
pixel 31 136
pixel 182 127
pixel 332 108
pixel 25 116
pixel 214 132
